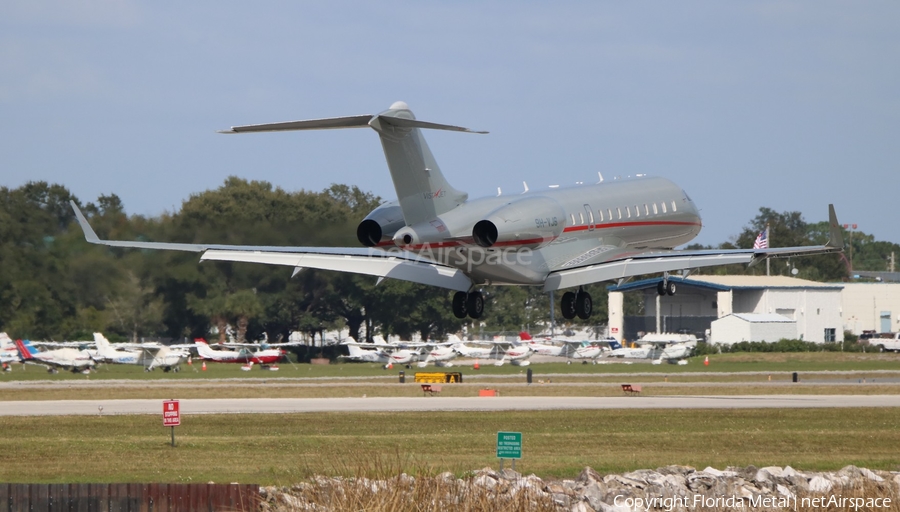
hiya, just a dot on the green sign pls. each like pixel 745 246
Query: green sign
pixel 509 445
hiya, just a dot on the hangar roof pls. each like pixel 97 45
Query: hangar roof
pixel 724 283
pixel 762 318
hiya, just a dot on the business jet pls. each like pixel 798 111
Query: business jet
pixel 561 238
pixel 66 358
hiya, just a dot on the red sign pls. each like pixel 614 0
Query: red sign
pixel 171 414
pixel 615 329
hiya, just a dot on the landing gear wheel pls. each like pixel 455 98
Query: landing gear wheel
pixel 661 287
pixel 584 305
pixel 670 287
pixel 567 305
pixel 475 305
pixel 459 305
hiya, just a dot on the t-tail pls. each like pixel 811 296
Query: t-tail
pixel 614 345
pixel 422 190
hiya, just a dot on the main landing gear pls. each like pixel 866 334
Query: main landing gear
pixel 665 287
pixel 468 304
pixel 577 304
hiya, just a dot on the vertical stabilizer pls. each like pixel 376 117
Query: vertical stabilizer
pixel 203 349
pixel 421 188
pixel 25 349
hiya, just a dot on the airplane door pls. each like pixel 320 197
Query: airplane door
pixel 589 215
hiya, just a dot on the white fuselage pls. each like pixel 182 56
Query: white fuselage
pixel 594 223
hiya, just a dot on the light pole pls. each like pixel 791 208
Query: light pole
pixel 850 228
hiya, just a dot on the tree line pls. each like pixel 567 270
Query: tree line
pixel 54 285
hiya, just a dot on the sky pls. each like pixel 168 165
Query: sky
pixel 779 104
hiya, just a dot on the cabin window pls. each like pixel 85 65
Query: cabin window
pixel 674 208
pixel 619 211
pixel 600 213
pixel 609 211
pixel 590 216
pixel 628 211
pixel 664 207
pixel 646 209
pixel 655 211
pixel 573 219
pixel 581 216
pixel 637 211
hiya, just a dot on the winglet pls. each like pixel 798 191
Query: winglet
pixel 89 233
pixel 836 237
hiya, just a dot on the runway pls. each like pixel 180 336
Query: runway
pixel 438 403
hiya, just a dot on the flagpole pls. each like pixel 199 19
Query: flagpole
pixel 768 260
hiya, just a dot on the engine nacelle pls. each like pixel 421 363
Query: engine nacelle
pixel 380 224
pixel 431 233
pixel 527 222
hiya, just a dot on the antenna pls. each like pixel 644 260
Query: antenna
pixel 526 187
pixel 601 177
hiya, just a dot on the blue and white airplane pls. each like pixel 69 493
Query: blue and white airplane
pixel 557 238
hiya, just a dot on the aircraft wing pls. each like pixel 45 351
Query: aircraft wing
pixel 404 265
pixel 616 264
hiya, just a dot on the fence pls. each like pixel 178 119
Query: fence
pixel 129 497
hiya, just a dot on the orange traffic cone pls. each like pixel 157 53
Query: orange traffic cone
pixel 476 365
pixel 204 366
pixel 706 361
pixel 189 361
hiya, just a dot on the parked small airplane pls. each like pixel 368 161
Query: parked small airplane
pixel 559 238
pixel 66 358
pixel 361 355
pixel 8 351
pixel 500 352
pixel 244 355
pixel 151 356
pixel 665 348
pixel 617 350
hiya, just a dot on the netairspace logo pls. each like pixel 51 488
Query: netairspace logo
pixel 463 258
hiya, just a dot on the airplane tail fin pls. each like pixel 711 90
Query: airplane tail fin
pixel 203 349
pixel 422 190
pixel 26 349
pixel 354 350
pixel 103 346
pixel 524 336
pixel 614 345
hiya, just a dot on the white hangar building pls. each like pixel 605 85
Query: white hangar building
pixel 729 309
pixel 871 307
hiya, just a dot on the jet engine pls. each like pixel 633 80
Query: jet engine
pixel 380 224
pixel 527 222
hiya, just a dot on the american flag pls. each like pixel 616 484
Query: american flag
pixel 762 240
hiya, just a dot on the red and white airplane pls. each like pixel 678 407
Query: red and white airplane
pixel 244 355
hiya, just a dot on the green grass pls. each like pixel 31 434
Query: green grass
pixel 720 363
pixel 284 449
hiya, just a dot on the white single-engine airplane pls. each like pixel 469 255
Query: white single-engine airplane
pixel 559 238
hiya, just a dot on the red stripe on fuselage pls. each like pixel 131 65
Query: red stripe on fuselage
pixel 458 243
